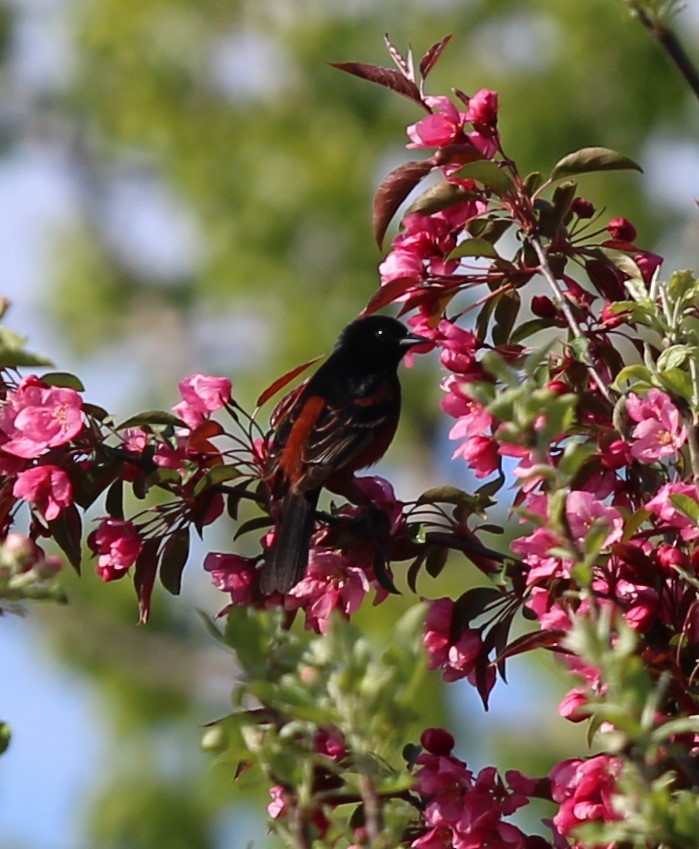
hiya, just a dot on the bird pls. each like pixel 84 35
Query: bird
pixel 340 420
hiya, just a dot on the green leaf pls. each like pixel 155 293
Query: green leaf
pixel 440 196
pixel 674 356
pixel 487 172
pixel 529 328
pixel 631 374
pixel 489 229
pixel 677 382
pixel 687 505
pixel 5 735
pixel 218 474
pixel 506 313
pixel 591 159
pixel 152 417
pixel 63 379
pixel 473 247
pixel 444 495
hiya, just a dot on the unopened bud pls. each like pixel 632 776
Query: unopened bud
pixel 437 741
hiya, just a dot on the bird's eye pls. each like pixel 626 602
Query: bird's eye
pixel 380 332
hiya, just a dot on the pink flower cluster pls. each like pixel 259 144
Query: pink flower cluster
pixel 463 811
pixel 459 652
pixel 117 544
pixel 447 125
pixel 35 420
pixel 584 790
pixel 338 576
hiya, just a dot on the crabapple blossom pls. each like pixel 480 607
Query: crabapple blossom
pixel 332 582
pixel 659 431
pixel 232 574
pixel 117 544
pixel 36 417
pixel 47 487
pixel 202 394
pixel 584 790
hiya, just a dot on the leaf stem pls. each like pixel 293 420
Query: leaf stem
pixel 575 328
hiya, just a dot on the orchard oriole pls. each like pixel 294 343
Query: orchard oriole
pixel 342 419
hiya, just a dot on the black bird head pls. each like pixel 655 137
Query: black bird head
pixel 379 339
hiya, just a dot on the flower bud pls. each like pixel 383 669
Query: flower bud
pixel 437 741
pixel 582 207
pixel 621 229
pixel 543 307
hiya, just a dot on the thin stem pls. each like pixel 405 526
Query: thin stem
pixel 373 818
pixel 564 306
pixel 670 44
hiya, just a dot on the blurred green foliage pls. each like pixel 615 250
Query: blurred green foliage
pixel 273 157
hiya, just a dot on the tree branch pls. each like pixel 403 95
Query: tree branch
pixel 670 44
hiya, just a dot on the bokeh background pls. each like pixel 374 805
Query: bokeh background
pixel 186 185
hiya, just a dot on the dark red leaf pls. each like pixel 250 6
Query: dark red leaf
pixel 528 642
pixel 470 605
pixel 436 560
pixel 285 379
pixel 414 571
pixel 114 502
pixel 484 679
pixel 430 58
pixel 66 530
pixel 394 189
pixel 383 575
pixel 386 77
pixel 388 294
pixel 144 577
pixel 173 560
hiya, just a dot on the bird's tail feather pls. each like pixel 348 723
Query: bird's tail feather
pixel 288 558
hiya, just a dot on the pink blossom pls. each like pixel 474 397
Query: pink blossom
pixel 534 548
pixel 573 705
pixel 456 656
pixel 331 583
pixel 277 808
pixel 662 506
pixel 36 417
pixel 47 487
pixel 483 107
pixel 459 349
pixel 621 229
pixel 232 574
pixel 117 544
pixel 649 263
pixel 479 452
pixel 202 394
pixel 659 432
pixel 584 790
pixel 401 264
pixel 443 126
pixel 584 511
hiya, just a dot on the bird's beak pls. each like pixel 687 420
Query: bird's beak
pixel 411 339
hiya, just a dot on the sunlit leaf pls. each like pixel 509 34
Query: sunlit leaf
pixel 487 172
pixel 590 159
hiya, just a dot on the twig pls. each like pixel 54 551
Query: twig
pixel 670 44
pixel 693 442
pixel 564 306
pixel 372 810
